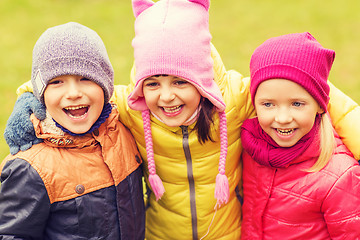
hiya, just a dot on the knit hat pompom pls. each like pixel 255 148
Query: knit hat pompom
pixel 172 37
pixel 71 49
pixel 297 57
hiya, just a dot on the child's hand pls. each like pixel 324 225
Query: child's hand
pixel 19 132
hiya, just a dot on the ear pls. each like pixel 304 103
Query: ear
pixel 140 5
pixel 205 3
pixel 320 111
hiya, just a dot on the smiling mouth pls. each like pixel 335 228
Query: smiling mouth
pixel 172 109
pixel 285 132
pixel 76 111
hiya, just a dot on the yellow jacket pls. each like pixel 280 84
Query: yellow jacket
pixel 186 209
pixel 181 213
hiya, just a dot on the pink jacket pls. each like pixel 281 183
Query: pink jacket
pixel 289 203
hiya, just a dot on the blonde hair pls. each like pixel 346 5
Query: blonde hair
pixel 327 144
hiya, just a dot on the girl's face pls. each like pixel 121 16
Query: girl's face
pixel 172 99
pixel 74 102
pixel 285 110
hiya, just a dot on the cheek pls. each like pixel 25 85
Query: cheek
pixel 150 99
pixel 50 98
pixel 308 123
pixel 264 123
pixel 99 95
pixel 307 119
pixel 147 96
pixel 265 117
pixel 193 95
pixel 92 89
pixel 195 99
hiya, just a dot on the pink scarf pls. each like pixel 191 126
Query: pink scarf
pixel 264 150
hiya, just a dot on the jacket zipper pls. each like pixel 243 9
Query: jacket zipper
pixel 191 181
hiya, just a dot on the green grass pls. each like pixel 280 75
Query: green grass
pixel 237 26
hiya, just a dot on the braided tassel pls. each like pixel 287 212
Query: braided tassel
pixel 155 181
pixel 222 182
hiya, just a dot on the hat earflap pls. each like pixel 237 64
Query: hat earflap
pixel 222 182
pixel 155 181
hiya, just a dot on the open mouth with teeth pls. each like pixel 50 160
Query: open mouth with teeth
pixel 76 111
pixel 285 132
pixel 172 109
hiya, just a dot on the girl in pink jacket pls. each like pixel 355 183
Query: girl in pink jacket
pixel 299 179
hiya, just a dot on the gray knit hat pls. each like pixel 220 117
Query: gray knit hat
pixel 71 49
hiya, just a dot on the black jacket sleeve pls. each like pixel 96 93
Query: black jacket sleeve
pixel 24 202
pixel 131 207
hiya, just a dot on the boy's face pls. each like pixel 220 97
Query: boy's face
pixel 285 110
pixel 74 102
pixel 172 99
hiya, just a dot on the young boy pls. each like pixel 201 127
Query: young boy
pixel 84 180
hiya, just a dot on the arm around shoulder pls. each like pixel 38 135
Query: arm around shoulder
pixel 345 115
pixel 25 87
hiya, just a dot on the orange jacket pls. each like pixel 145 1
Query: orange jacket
pixel 74 187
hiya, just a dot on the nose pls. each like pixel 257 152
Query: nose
pixel 73 91
pixel 283 115
pixel 167 94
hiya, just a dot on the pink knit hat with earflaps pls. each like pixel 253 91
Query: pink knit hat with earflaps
pixel 297 57
pixel 172 38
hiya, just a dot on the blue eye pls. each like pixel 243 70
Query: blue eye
pixel 297 104
pixel 267 104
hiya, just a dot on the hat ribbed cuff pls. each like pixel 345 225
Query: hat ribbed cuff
pixel 282 71
pixel 75 66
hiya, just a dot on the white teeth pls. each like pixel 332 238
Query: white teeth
pixel 171 109
pixel 75 116
pixel 285 131
pixel 75 108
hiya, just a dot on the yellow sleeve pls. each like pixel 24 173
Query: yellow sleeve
pixel 219 68
pixel 25 87
pixel 345 116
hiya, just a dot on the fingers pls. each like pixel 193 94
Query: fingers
pixel 26 146
pixel 14 149
pixel 36 106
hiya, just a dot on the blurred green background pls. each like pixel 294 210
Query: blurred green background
pixel 237 26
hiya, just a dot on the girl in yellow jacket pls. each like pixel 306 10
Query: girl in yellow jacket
pixel 187 128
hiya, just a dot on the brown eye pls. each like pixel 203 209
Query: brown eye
pixel 151 84
pixel 180 82
pixel 54 82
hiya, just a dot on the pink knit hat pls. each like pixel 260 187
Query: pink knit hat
pixel 297 57
pixel 172 38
